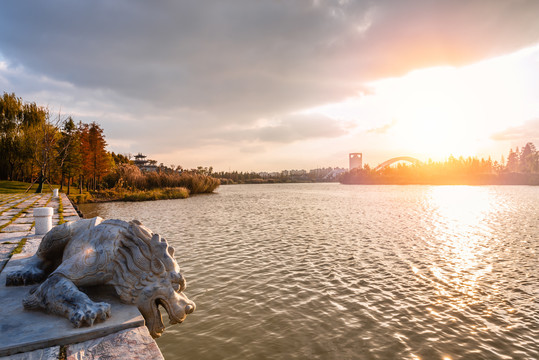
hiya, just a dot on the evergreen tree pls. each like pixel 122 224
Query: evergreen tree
pixel 512 161
pixel 528 158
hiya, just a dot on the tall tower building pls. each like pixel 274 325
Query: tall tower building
pixel 356 161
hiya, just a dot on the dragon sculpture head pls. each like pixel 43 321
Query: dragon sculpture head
pixel 147 275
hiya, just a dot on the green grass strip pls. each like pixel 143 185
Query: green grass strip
pixel 15 205
pixel 18 215
pixel 16 250
pixel 10 198
pixel 60 210
pixel 19 247
pixel 48 201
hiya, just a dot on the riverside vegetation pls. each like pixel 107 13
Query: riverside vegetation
pixel 37 148
pixel 521 168
pixel 128 183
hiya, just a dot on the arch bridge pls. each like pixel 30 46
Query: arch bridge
pixel 397 159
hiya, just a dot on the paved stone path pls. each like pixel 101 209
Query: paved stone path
pixel 17 229
pixel 17 221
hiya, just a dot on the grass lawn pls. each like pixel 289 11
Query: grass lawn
pixel 13 187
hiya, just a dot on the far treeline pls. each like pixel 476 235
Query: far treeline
pixel 522 168
pixel 37 146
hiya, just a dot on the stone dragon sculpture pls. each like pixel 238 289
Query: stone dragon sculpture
pixel 128 256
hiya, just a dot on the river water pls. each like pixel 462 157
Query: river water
pixel 330 271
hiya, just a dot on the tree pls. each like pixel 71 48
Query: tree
pixel 96 160
pixel 44 136
pixel 528 158
pixel 512 161
pixel 69 155
pixel 11 117
pixel 120 159
pixel 34 145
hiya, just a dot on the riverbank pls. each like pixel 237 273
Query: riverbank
pixel 129 195
pixel 108 195
pixel 36 335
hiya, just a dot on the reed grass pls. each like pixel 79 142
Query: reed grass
pixel 83 198
pixel 140 195
pixel 130 177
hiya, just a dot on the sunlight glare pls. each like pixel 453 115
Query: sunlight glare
pixel 441 111
pixel 432 112
pixel 458 215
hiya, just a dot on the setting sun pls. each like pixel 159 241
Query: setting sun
pixel 431 113
pixel 447 110
pixel 441 111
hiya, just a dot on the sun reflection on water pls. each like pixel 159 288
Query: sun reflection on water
pixel 459 224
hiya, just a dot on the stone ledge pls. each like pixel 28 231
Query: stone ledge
pixel 52 353
pixel 135 344
pixel 127 339
pixel 22 330
pixel 131 344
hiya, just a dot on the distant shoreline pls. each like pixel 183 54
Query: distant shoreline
pixel 380 179
pixel 445 179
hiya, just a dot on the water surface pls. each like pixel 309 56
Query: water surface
pixel 330 271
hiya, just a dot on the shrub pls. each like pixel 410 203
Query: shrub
pixel 81 198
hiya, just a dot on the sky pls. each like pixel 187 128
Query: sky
pixel 271 85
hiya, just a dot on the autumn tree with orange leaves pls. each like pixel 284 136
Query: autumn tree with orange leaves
pixel 95 159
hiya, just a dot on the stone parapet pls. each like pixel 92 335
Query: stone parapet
pixel 124 336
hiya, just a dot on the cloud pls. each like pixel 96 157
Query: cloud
pixel 529 131
pixel 164 76
pixel 383 129
pixel 296 128
pixel 242 60
pixel 253 149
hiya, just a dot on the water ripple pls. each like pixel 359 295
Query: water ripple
pixel 301 271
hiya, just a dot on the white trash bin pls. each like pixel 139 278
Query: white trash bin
pixel 55 192
pixel 43 218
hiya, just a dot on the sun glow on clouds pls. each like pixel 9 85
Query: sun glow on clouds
pixel 436 112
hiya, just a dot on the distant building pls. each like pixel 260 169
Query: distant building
pixel 356 160
pixel 333 174
pixel 319 173
pixel 297 172
pixel 265 174
pixel 326 174
pixel 145 165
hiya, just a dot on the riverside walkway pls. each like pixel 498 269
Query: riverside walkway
pixel 36 335
pixel 17 221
